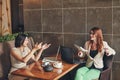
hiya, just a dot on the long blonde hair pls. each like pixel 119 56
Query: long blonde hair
pixel 99 37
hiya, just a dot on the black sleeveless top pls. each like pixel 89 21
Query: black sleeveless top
pixel 93 53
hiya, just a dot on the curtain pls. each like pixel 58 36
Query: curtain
pixel 6 18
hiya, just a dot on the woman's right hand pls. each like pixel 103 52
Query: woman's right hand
pixel 38 46
pixel 80 54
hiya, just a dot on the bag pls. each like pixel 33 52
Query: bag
pixel 67 55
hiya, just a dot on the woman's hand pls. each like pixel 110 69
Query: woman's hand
pixel 41 47
pixel 38 46
pixel 106 51
pixel 45 46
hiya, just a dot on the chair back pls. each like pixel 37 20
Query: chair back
pixel 106 73
pixel 107 61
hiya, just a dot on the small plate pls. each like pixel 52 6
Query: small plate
pixel 58 66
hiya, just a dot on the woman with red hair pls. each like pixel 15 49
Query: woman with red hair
pixel 95 50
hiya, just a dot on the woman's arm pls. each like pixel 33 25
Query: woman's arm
pixel 20 58
pixel 109 51
pixel 17 56
pixel 45 46
pixel 83 53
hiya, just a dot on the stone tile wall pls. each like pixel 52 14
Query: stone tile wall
pixel 65 22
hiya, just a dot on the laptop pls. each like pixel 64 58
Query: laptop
pixel 52 59
pixel 68 55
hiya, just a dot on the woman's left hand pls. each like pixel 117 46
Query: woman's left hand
pixel 106 51
pixel 45 46
pixel 38 46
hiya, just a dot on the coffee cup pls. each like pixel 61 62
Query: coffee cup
pixel 80 54
pixel 57 64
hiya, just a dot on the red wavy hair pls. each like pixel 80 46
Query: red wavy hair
pixel 99 37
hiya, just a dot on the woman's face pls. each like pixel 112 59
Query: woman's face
pixel 25 42
pixel 92 36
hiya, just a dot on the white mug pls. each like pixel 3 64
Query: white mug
pixel 80 54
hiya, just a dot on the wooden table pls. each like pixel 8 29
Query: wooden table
pixel 36 71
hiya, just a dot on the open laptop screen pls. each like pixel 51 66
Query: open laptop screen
pixel 52 59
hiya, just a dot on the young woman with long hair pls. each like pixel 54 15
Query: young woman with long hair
pixel 96 48
pixel 21 54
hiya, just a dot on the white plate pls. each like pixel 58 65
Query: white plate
pixel 58 66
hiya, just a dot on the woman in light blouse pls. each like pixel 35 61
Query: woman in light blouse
pixel 21 54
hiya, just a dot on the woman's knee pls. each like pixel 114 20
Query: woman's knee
pixel 92 74
pixel 82 70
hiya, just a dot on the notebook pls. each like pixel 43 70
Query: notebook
pixel 67 55
pixel 52 59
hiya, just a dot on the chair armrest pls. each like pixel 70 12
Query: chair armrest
pixel 105 74
pixel 106 70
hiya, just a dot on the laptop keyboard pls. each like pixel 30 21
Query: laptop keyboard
pixel 49 59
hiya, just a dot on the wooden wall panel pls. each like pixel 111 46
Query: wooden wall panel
pixel 6 18
pixel 0 17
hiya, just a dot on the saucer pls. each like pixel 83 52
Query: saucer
pixel 57 66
